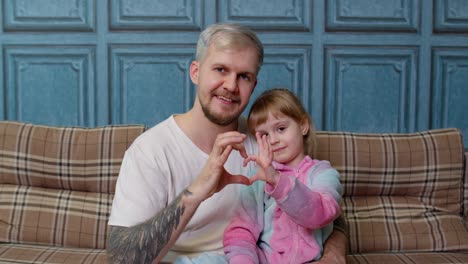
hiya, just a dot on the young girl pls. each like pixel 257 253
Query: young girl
pixel 287 213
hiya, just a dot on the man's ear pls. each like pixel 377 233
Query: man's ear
pixel 194 71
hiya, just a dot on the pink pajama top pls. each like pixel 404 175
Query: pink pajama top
pixel 286 223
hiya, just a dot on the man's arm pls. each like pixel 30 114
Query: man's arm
pixel 335 248
pixel 151 239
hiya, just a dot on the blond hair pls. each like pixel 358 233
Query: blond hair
pixel 282 101
pixel 228 35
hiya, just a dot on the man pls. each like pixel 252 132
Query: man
pixel 168 196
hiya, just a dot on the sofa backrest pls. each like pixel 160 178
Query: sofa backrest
pixel 402 192
pixel 57 183
pixel 465 195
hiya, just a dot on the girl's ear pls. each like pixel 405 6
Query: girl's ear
pixel 305 126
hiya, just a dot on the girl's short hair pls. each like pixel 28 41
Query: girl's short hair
pixel 280 101
pixel 228 35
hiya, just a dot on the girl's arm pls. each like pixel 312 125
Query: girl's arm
pixel 311 205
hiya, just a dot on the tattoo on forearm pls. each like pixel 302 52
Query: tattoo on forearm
pixel 144 242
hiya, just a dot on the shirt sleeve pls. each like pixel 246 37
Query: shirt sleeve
pixel 313 204
pixel 139 193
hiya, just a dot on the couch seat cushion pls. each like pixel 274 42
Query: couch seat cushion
pixel 53 217
pixel 409 258
pixel 401 223
pixel 35 254
pixel 402 192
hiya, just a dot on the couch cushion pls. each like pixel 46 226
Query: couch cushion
pixel 402 192
pixel 409 258
pixel 465 188
pixel 69 158
pixel 34 254
pixel 57 183
pixel 53 217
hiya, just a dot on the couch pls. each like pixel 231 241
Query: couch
pixel 405 195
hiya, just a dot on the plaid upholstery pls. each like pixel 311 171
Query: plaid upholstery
pixel 403 192
pixel 409 258
pixel 53 217
pixel 57 184
pixel 465 190
pixel 35 254
pixel 68 158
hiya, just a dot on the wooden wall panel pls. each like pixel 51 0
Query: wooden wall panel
pixel 52 85
pixel 450 88
pixel 49 15
pixel 451 16
pixel 156 15
pixel 357 65
pixel 378 85
pixel 272 15
pixel 373 15
pixel 291 67
pixel 150 83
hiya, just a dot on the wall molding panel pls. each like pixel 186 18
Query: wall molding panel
pixel 136 90
pixel 276 15
pixel 49 15
pixel 449 88
pixel 451 16
pixel 51 85
pixel 156 15
pixel 377 84
pixel 375 15
pixel 291 67
pixel 372 66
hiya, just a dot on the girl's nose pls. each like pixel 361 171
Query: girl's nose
pixel 272 138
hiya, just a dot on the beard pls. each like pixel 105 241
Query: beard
pixel 219 119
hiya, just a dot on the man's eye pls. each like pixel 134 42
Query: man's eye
pixel 245 77
pixel 219 69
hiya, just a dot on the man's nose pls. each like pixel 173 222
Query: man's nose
pixel 230 82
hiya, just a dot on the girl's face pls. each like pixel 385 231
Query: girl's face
pixel 285 136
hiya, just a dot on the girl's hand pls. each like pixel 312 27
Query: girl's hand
pixel 266 171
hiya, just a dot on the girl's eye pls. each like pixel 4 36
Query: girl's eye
pixel 280 129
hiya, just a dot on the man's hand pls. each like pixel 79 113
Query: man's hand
pixel 334 251
pixel 214 177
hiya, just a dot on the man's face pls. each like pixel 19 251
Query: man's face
pixel 225 80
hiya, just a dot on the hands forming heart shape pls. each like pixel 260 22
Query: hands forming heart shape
pixel 264 158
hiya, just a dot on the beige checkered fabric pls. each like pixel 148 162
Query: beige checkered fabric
pixel 410 258
pixel 35 254
pixel 78 159
pixel 403 192
pixel 465 190
pixel 57 184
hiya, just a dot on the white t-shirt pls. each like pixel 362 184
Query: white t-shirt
pixel 158 166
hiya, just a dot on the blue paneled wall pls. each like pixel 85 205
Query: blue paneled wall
pixel 358 65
